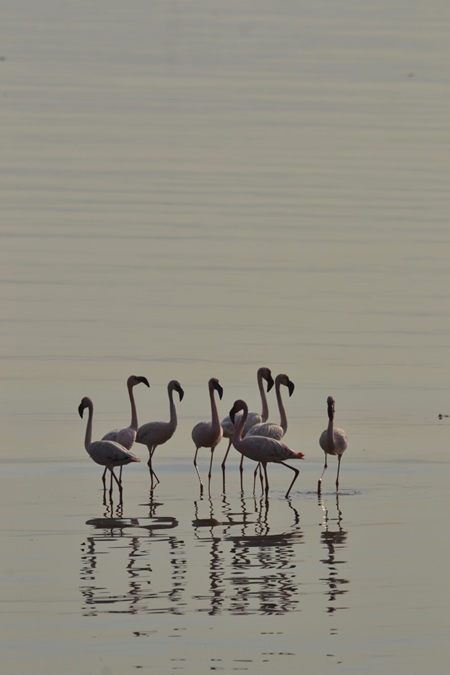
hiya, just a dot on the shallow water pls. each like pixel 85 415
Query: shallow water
pixel 197 190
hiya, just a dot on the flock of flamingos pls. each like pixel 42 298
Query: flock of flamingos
pixel 249 432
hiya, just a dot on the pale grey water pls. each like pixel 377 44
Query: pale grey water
pixel 198 189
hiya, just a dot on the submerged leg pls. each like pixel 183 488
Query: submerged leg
pixel 226 455
pixel 113 475
pixel 241 472
pixel 258 466
pixel 198 473
pixel 267 480
pixel 150 467
pixel 295 477
pixel 319 484
pixel 210 463
pixel 337 476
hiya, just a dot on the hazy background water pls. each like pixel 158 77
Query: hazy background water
pixel 198 189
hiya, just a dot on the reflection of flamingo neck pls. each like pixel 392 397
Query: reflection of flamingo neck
pixel 283 418
pixel 265 407
pixel 88 435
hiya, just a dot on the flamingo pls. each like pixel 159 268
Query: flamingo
pixel 261 449
pixel 253 417
pixel 106 453
pixel 208 434
pixel 127 435
pixel 270 429
pixel 333 442
pixel 153 434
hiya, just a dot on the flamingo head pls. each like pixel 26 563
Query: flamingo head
pixel 237 407
pixel 85 403
pixel 284 379
pixel 133 380
pixel 330 405
pixel 266 374
pixel 215 384
pixel 175 385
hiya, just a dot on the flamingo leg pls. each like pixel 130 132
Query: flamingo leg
pixel 198 473
pixel 241 472
pixel 113 475
pixel 319 484
pixel 258 466
pixel 226 455
pixel 294 479
pixel 337 476
pixel 210 468
pixel 104 478
pixel 120 475
pixel 241 465
pixel 223 464
pixel 267 480
pixel 150 467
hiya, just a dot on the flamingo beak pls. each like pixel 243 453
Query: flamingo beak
pixel 219 389
pixel 270 383
pixel 144 381
pixel 181 393
pixel 80 410
pixel 291 387
pixel 232 414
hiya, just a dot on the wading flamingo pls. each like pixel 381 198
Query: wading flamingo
pixel 270 429
pixel 261 449
pixel 333 442
pixel 208 434
pixel 127 435
pixel 106 453
pixel 253 417
pixel 153 434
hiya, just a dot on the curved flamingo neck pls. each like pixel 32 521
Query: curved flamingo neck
pixel 239 428
pixel 330 429
pixel 88 435
pixel 173 410
pixel 283 417
pixel 265 407
pixel 215 422
pixel 134 419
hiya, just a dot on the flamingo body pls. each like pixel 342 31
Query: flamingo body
pixel 333 441
pixel 105 453
pixel 153 434
pixel 261 448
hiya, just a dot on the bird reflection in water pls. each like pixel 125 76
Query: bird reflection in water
pixel 334 538
pixel 141 585
pixel 262 564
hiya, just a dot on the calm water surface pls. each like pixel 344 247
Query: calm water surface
pixel 198 190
